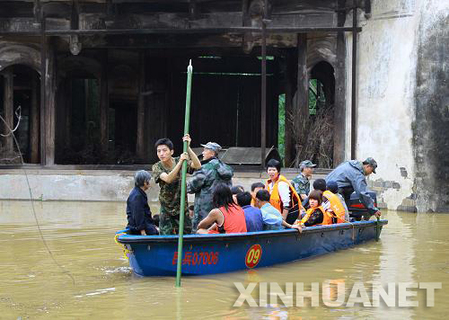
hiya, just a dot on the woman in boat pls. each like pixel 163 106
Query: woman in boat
pixel 316 215
pixel 282 194
pixel 227 217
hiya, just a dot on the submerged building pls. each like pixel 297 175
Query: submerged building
pixel 97 82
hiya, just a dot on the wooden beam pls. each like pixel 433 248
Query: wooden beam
pixel 301 106
pixel 104 105
pixel 340 93
pixel 49 107
pixel 290 89
pixel 34 121
pixel 8 105
pixel 140 142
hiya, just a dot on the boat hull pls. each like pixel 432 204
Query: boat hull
pixel 211 254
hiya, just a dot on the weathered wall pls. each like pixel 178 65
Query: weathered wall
pixel 93 185
pixel 386 81
pixel 401 77
pixel 431 126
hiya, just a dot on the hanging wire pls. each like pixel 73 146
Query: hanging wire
pixel 18 114
pixel 11 133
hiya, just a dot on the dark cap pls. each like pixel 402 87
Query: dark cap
pixel 212 146
pixel 370 161
pixel 332 186
pixel 307 164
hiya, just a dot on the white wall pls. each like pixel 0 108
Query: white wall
pixel 385 95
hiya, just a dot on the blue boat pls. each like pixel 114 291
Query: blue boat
pixel 220 253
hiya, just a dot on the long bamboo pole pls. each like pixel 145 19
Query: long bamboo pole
pixel 184 172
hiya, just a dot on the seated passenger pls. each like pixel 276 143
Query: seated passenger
pixel 253 216
pixel 272 218
pixel 255 187
pixel 227 217
pixel 138 212
pixel 316 215
pixel 235 190
pixel 337 202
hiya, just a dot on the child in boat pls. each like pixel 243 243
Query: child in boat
pixel 255 187
pixel 272 218
pixel 337 203
pixel 227 217
pixel 235 190
pixel 315 215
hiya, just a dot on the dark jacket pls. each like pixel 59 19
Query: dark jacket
pixel 213 171
pixel 350 174
pixel 138 213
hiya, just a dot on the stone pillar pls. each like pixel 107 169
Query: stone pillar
pixel 8 104
pixel 34 121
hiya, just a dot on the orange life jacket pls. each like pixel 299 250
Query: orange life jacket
pixel 275 199
pixel 327 217
pixel 335 205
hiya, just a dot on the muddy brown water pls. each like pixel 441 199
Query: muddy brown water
pixel 413 248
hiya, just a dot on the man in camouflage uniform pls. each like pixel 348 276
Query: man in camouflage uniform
pixel 213 171
pixel 301 182
pixel 166 173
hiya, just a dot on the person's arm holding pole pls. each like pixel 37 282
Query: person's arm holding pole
pixel 184 172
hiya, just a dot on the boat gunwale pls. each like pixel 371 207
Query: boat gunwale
pixel 192 238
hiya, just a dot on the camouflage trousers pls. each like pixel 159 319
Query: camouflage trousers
pixel 169 225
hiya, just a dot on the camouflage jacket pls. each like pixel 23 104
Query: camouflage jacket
pixel 203 181
pixel 301 184
pixel 170 194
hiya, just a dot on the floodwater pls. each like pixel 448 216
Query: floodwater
pixel 413 248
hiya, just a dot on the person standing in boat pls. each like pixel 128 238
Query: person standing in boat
pixel 138 212
pixel 227 217
pixel 282 194
pixel 351 176
pixel 213 172
pixel 301 182
pixel 166 173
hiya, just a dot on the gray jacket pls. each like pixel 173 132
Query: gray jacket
pixel 350 174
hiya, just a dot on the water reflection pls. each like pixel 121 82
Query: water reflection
pixel 413 248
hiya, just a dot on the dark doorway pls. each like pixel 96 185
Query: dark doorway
pixel 20 107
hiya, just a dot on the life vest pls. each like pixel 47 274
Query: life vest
pixel 275 199
pixel 327 217
pixel 335 205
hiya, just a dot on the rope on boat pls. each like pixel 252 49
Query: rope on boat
pixel 11 132
pixel 125 250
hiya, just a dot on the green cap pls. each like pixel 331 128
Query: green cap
pixel 307 164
